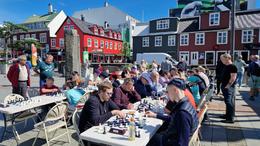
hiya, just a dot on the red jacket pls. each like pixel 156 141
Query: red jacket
pixel 13 75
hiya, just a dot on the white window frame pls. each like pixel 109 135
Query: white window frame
pixel 119 46
pixel 213 57
pixel 115 36
pixel 222 40
pixel 102 33
pixel 96 43
pixel 172 40
pixel 71 27
pixel 186 53
pixel 145 42
pixel 89 42
pixel 162 24
pixel 95 31
pixel 186 35
pixel 22 37
pixel 33 35
pixel 15 38
pixel 158 41
pixel 53 43
pixel 107 45
pixel 115 46
pixel 27 36
pixel 111 45
pixel 251 37
pixel 214 15
pixel 102 44
pixel 43 37
pixel 198 38
pixel 66 27
pixel 68 21
pixel 61 42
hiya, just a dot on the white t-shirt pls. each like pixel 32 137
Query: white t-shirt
pixel 23 74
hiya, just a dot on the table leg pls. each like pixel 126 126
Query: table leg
pixel 5 128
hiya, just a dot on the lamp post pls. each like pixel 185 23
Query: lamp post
pixel 232 34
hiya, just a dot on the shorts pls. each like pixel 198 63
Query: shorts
pixel 254 81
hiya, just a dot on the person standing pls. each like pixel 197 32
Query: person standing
pixel 254 76
pixel 228 88
pixel 240 64
pixel 45 69
pixel 19 76
pixel 166 65
pixel 219 68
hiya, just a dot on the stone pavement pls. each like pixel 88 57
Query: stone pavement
pixel 245 132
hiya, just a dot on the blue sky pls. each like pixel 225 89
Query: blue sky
pixel 18 10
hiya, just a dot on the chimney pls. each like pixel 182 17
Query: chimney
pixel 82 17
pixel 50 9
pixel 106 4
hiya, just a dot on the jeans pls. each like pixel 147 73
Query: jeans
pixel 42 82
pixel 21 89
pixel 229 98
pixel 240 76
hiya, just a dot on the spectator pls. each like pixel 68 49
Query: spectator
pixel 125 95
pixel 202 74
pixel 240 64
pixel 104 76
pixel 166 65
pixel 45 69
pixel 183 122
pixel 155 83
pixel 201 83
pixel 19 76
pixel 193 84
pixel 254 77
pixel 163 80
pixel 182 65
pixel 49 88
pixel 174 73
pixel 219 68
pixel 154 65
pixel 116 79
pixel 227 87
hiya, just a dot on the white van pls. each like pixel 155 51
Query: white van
pixel 149 57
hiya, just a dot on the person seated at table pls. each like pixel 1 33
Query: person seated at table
pixel 194 82
pixel 116 78
pixel 143 85
pixel 200 81
pixel 183 122
pixel 155 83
pixel 99 108
pixel 163 79
pixel 49 88
pixel 125 95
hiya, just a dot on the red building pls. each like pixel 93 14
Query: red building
pixel 207 36
pixel 103 45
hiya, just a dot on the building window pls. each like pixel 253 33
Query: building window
pixel 222 37
pixel 119 36
pixel 102 44
pixel 162 24
pixel 68 21
pixel 22 37
pixel 115 46
pixel 184 39
pixel 33 36
pixel 14 38
pixel 115 36
pixel 96 43
pixel 119 46
pixel 111 45
pixel 66 27
pixel 27 36
pixel 43 38
pixel 247 36
pixel 71 27
pixel 107 45
pixel 200 39
pixel 110 35
pixel 61 42
pixel 89 42
pixel 95 31
pixel 145 42
pixel 102 32
pixel 158 41
pixel 214 19
pixel 53 43
pixel 210 57
pixel 171 40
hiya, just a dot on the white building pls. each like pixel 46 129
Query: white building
pixel 110 16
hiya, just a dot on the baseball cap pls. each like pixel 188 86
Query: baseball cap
pixel 104 74
pixel 179 83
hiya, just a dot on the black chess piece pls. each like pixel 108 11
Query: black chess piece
pixel 105 130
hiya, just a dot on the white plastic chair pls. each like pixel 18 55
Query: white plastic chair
pixel 54 120
pixel 75 121
pixel 195 140
pixel 19 117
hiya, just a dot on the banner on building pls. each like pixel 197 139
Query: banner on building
pixel 34 55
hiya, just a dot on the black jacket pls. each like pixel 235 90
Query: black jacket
pixel 94 112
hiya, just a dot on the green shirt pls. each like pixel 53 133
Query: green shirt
pixel 46 70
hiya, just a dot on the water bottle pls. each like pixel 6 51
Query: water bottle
pixel 131 129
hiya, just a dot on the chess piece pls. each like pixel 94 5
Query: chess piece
pixel 105 130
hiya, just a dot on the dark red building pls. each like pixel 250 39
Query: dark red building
pixel 103 45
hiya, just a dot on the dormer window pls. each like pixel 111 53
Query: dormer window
pixel 214 19
pixel 119 36
pixel 102 32
pixel 110 34
pixel 162 24
pixel 115 35
pixel 95 30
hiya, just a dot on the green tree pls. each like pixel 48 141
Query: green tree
pixel 126 49
pixel 6 32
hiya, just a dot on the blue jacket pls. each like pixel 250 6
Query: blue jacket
pixel 143 90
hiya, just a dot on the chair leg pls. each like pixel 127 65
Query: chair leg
pixel 16 135
pixel 5 128
pixel 46 137
pixel 67 132
pixel 36 138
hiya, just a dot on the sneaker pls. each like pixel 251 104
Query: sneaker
pixel 228 121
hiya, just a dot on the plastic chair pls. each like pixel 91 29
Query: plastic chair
pixel 19 117
pixel 75 121
pixel 54 120
pixel 195 140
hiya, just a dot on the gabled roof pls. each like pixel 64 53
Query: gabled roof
pixel 42 18
pixel 188 25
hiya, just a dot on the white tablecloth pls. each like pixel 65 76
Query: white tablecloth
pixel 36 101
pixel 150 128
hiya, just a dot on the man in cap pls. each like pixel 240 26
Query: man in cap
pixel 19 76
pixel 183 120
pixel 143 85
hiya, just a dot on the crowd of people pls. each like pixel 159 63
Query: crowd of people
pixel 121 89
